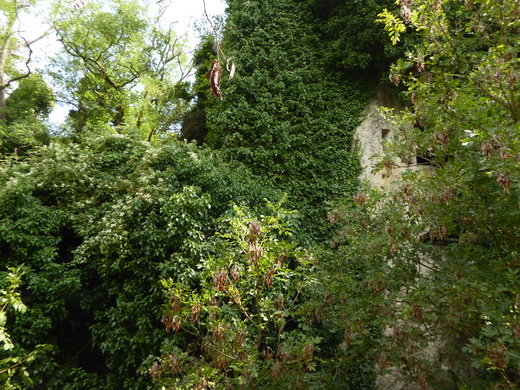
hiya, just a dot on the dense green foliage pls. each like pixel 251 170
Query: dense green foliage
pixel 32 98
pixel 349 40
pixel 194 126
pixel 95 227
pixel 243 321
pixel 13 370
pixel 13 51
pixel 26 109
pixel 177 265
pixel 436 261
pixel 25 99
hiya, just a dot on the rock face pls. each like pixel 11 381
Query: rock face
pixel 371 136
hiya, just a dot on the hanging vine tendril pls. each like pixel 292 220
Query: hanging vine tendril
pixel 215 74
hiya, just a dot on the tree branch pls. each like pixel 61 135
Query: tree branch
pixel 28 43
pixel 9 82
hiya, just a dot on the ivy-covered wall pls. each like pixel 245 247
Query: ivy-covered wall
pixel 290 111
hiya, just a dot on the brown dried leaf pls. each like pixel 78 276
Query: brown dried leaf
pixel 214 76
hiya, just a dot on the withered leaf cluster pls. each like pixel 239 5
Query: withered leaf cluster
pixel 214 76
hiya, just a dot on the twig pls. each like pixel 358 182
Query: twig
pixel 215 30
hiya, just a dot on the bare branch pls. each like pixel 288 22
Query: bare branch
pixel 217 40
pixel 29 43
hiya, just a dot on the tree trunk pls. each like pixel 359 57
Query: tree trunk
pixel 119 118
pixel 4 53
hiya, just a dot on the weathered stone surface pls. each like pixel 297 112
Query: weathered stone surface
pixel 371 136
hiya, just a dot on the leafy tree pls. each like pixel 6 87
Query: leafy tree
pixel 11 47
pixel 26 109
pixel 194 126
pixel 121 68
pixel 436 261
pixel 19 127
pixel 32 98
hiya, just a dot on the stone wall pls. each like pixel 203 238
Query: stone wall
pixel 371 136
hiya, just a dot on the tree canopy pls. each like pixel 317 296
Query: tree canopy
pixel 121 67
